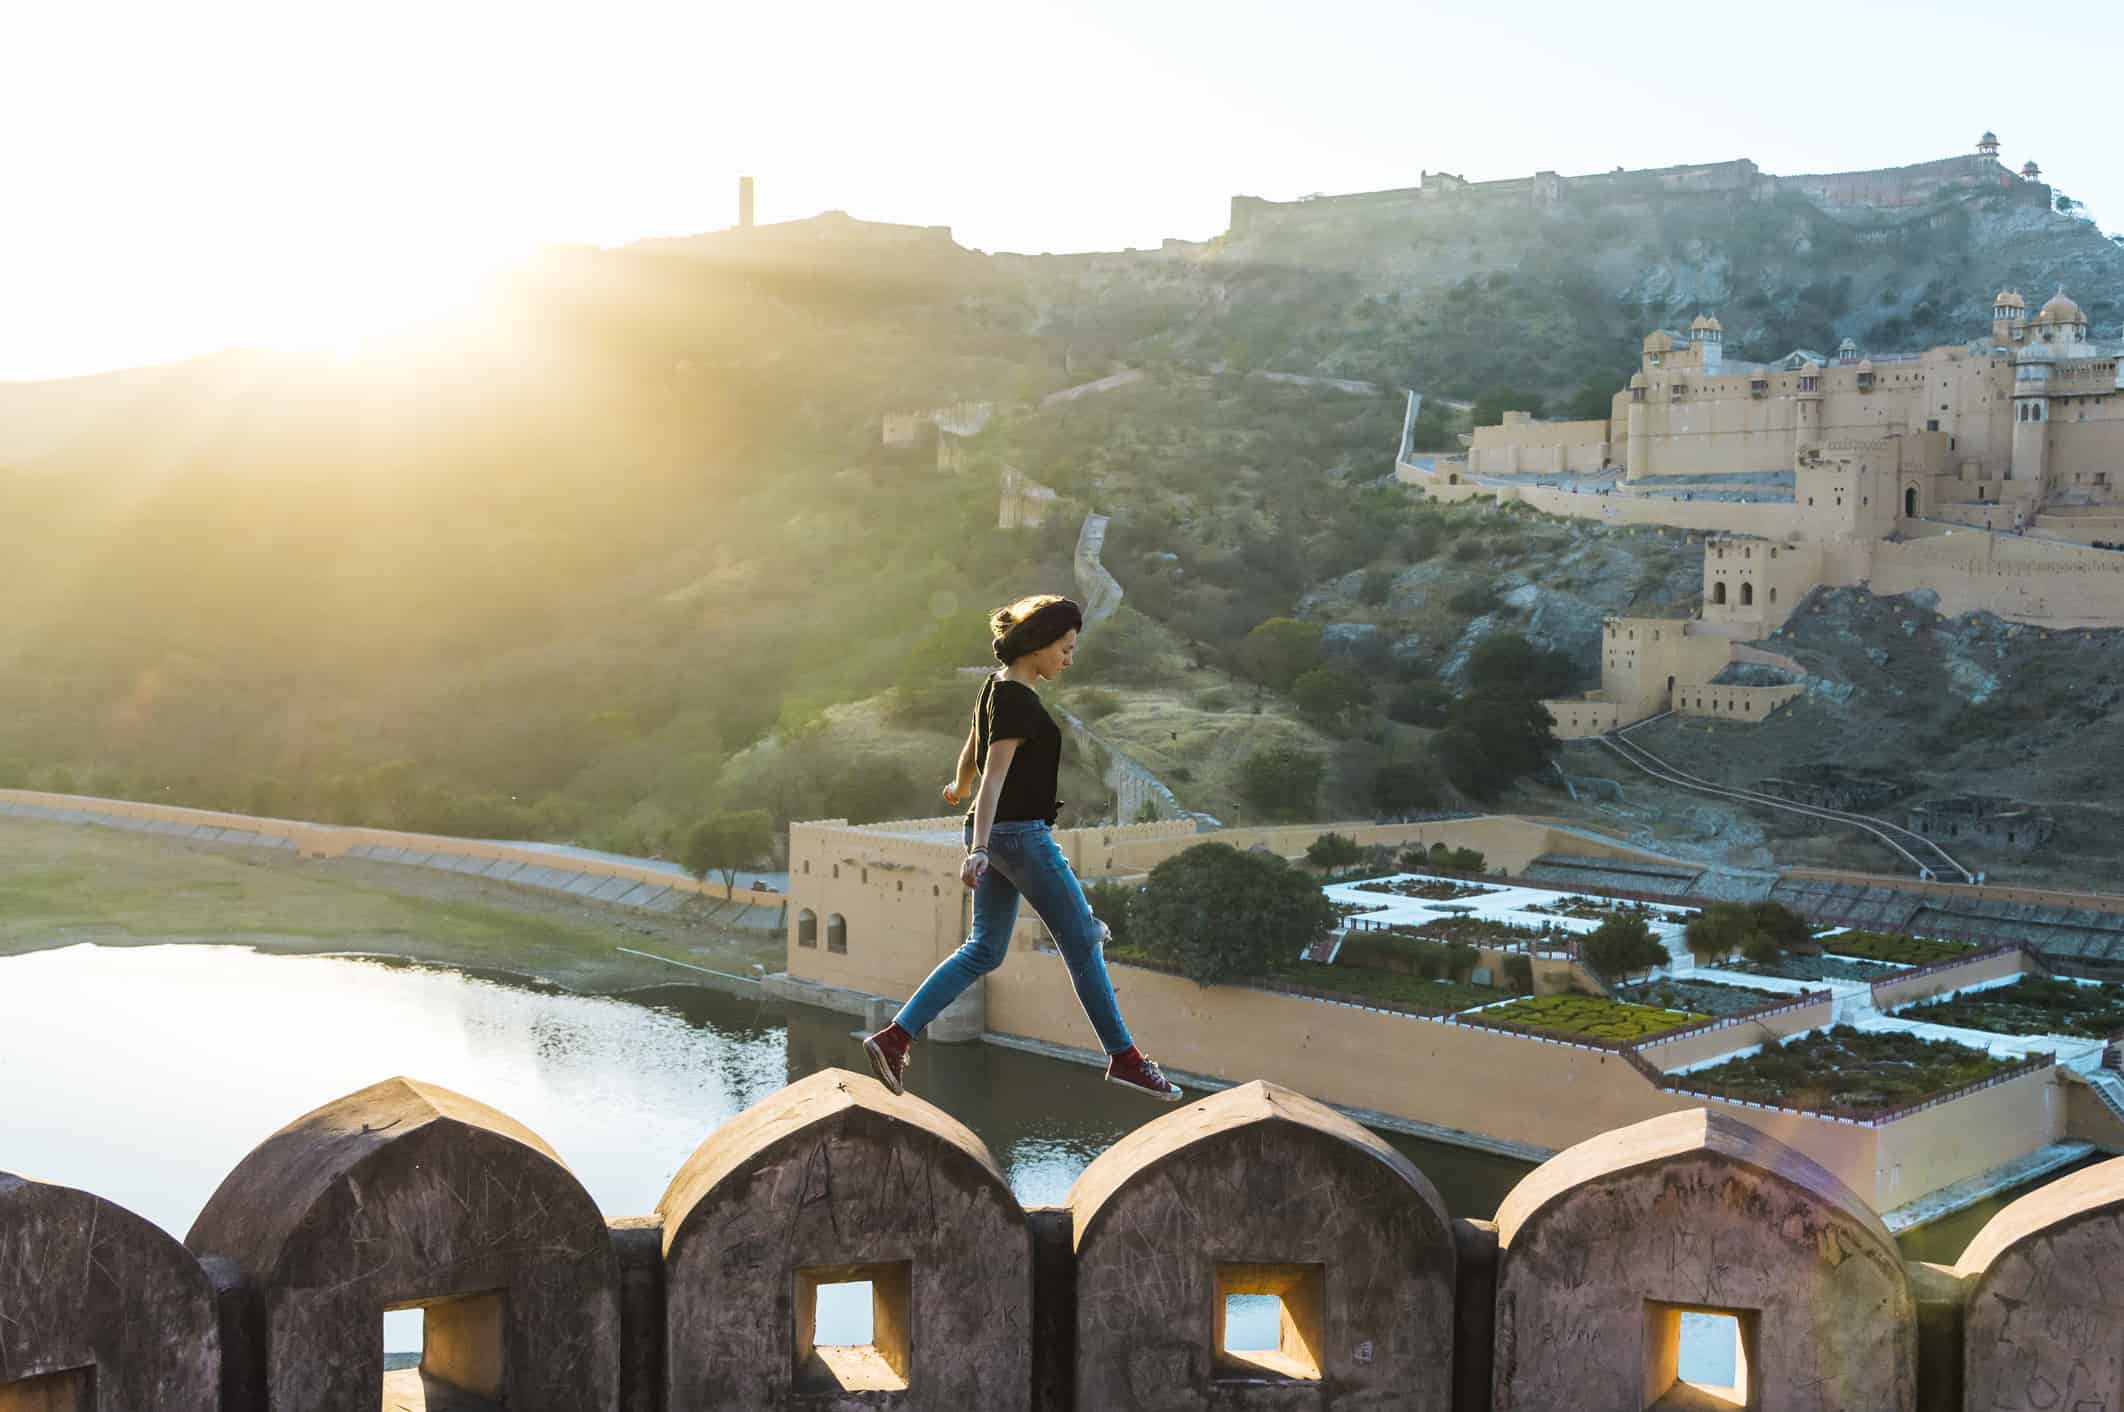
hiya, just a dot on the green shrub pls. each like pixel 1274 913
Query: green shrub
pixel 1594 1017
pixel 1220 914
pixel 1880 946
pixel 1519 973
pixel 1113 903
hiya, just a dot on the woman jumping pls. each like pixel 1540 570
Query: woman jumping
pixel 1010 853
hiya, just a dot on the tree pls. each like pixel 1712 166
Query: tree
pixel 1420 703
pixel 724 843
pixel 1621 947
pixel 1330 694
pixel 1281 781
pixel 1718 931
pixel 1281 650
pixel 1493 740
pixel 1375 587
pixel 1333 850
pixel 1406 785
pixel 1593 402
pixel 1491 406
pixel 1506 664
pixel 1761 931
pixel 1780 924
pixel 1220 914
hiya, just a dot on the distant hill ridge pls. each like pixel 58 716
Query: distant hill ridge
pixel 1883 188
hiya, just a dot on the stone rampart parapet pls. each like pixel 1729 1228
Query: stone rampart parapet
pixel 1573 1298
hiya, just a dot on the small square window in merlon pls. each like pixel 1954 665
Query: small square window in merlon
pixel 826 1297
pixel 463 1339
pixel 1701 1359
pixel 1249 1298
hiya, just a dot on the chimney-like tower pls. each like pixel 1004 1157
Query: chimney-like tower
pixel 744 203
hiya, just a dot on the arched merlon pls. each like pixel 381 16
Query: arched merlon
pixel 1261 1190
pixel 406 1193
pixel 1602 1246
pixel 2045 1321
pixel 87 1285
pixel 833 1180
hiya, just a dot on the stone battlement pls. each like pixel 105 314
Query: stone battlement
pixel 408 1195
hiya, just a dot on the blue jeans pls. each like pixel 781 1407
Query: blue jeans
pixel 1024 860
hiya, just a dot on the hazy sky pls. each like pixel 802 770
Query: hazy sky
pixel 184 177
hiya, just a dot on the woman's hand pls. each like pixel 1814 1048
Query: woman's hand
pixel 954 795
pixel 971 868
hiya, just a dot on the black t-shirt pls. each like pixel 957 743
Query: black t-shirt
pixel 1008 711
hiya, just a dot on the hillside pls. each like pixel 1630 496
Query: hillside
pixel 587 564
pixel 1458 298
pixel 1923 706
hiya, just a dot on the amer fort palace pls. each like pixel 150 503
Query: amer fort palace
pixel 1986 472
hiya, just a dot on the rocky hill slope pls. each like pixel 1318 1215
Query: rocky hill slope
pixel 561 569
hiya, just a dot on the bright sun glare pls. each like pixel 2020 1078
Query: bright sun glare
pixel 383 293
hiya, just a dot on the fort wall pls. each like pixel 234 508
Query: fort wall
pixel 1731 703
pixel 2029 580
pixel 1770 1026
pixel 1896 992
pixel 1113 1298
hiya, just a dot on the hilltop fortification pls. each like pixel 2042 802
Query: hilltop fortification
pixel 1881 189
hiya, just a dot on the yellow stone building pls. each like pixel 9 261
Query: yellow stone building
pixel 1986 472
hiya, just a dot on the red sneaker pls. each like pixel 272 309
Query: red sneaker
pixel 889 1057
pixel 1132 1068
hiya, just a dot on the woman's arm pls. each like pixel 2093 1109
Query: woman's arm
pixel 962 779
pixel 1000 753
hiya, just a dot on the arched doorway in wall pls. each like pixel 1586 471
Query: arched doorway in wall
pixel 1670 692
pixel 807 928
pixel 1747 595
pixel 1718 592
pixel 1910 501
pixel 837 933
pixel 1773 593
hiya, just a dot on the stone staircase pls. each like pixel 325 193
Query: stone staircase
pixel 2110 1089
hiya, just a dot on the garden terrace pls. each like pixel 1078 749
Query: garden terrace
pixel 1594 909
pixel 1355 985
pixel 1812 968
pixel 1429 889
pixel 1479 931
pixel 2032 1005
pixel 1714 998
pixel 1900 950
pixel 1364 985
pixel 1849 1072
pixel 1409 955
pixel 1591 1018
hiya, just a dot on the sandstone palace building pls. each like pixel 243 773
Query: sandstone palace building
pixel 1986 472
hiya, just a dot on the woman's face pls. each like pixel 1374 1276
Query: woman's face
pixel 1053 660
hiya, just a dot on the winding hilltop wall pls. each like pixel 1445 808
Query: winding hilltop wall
pixel 408 1195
